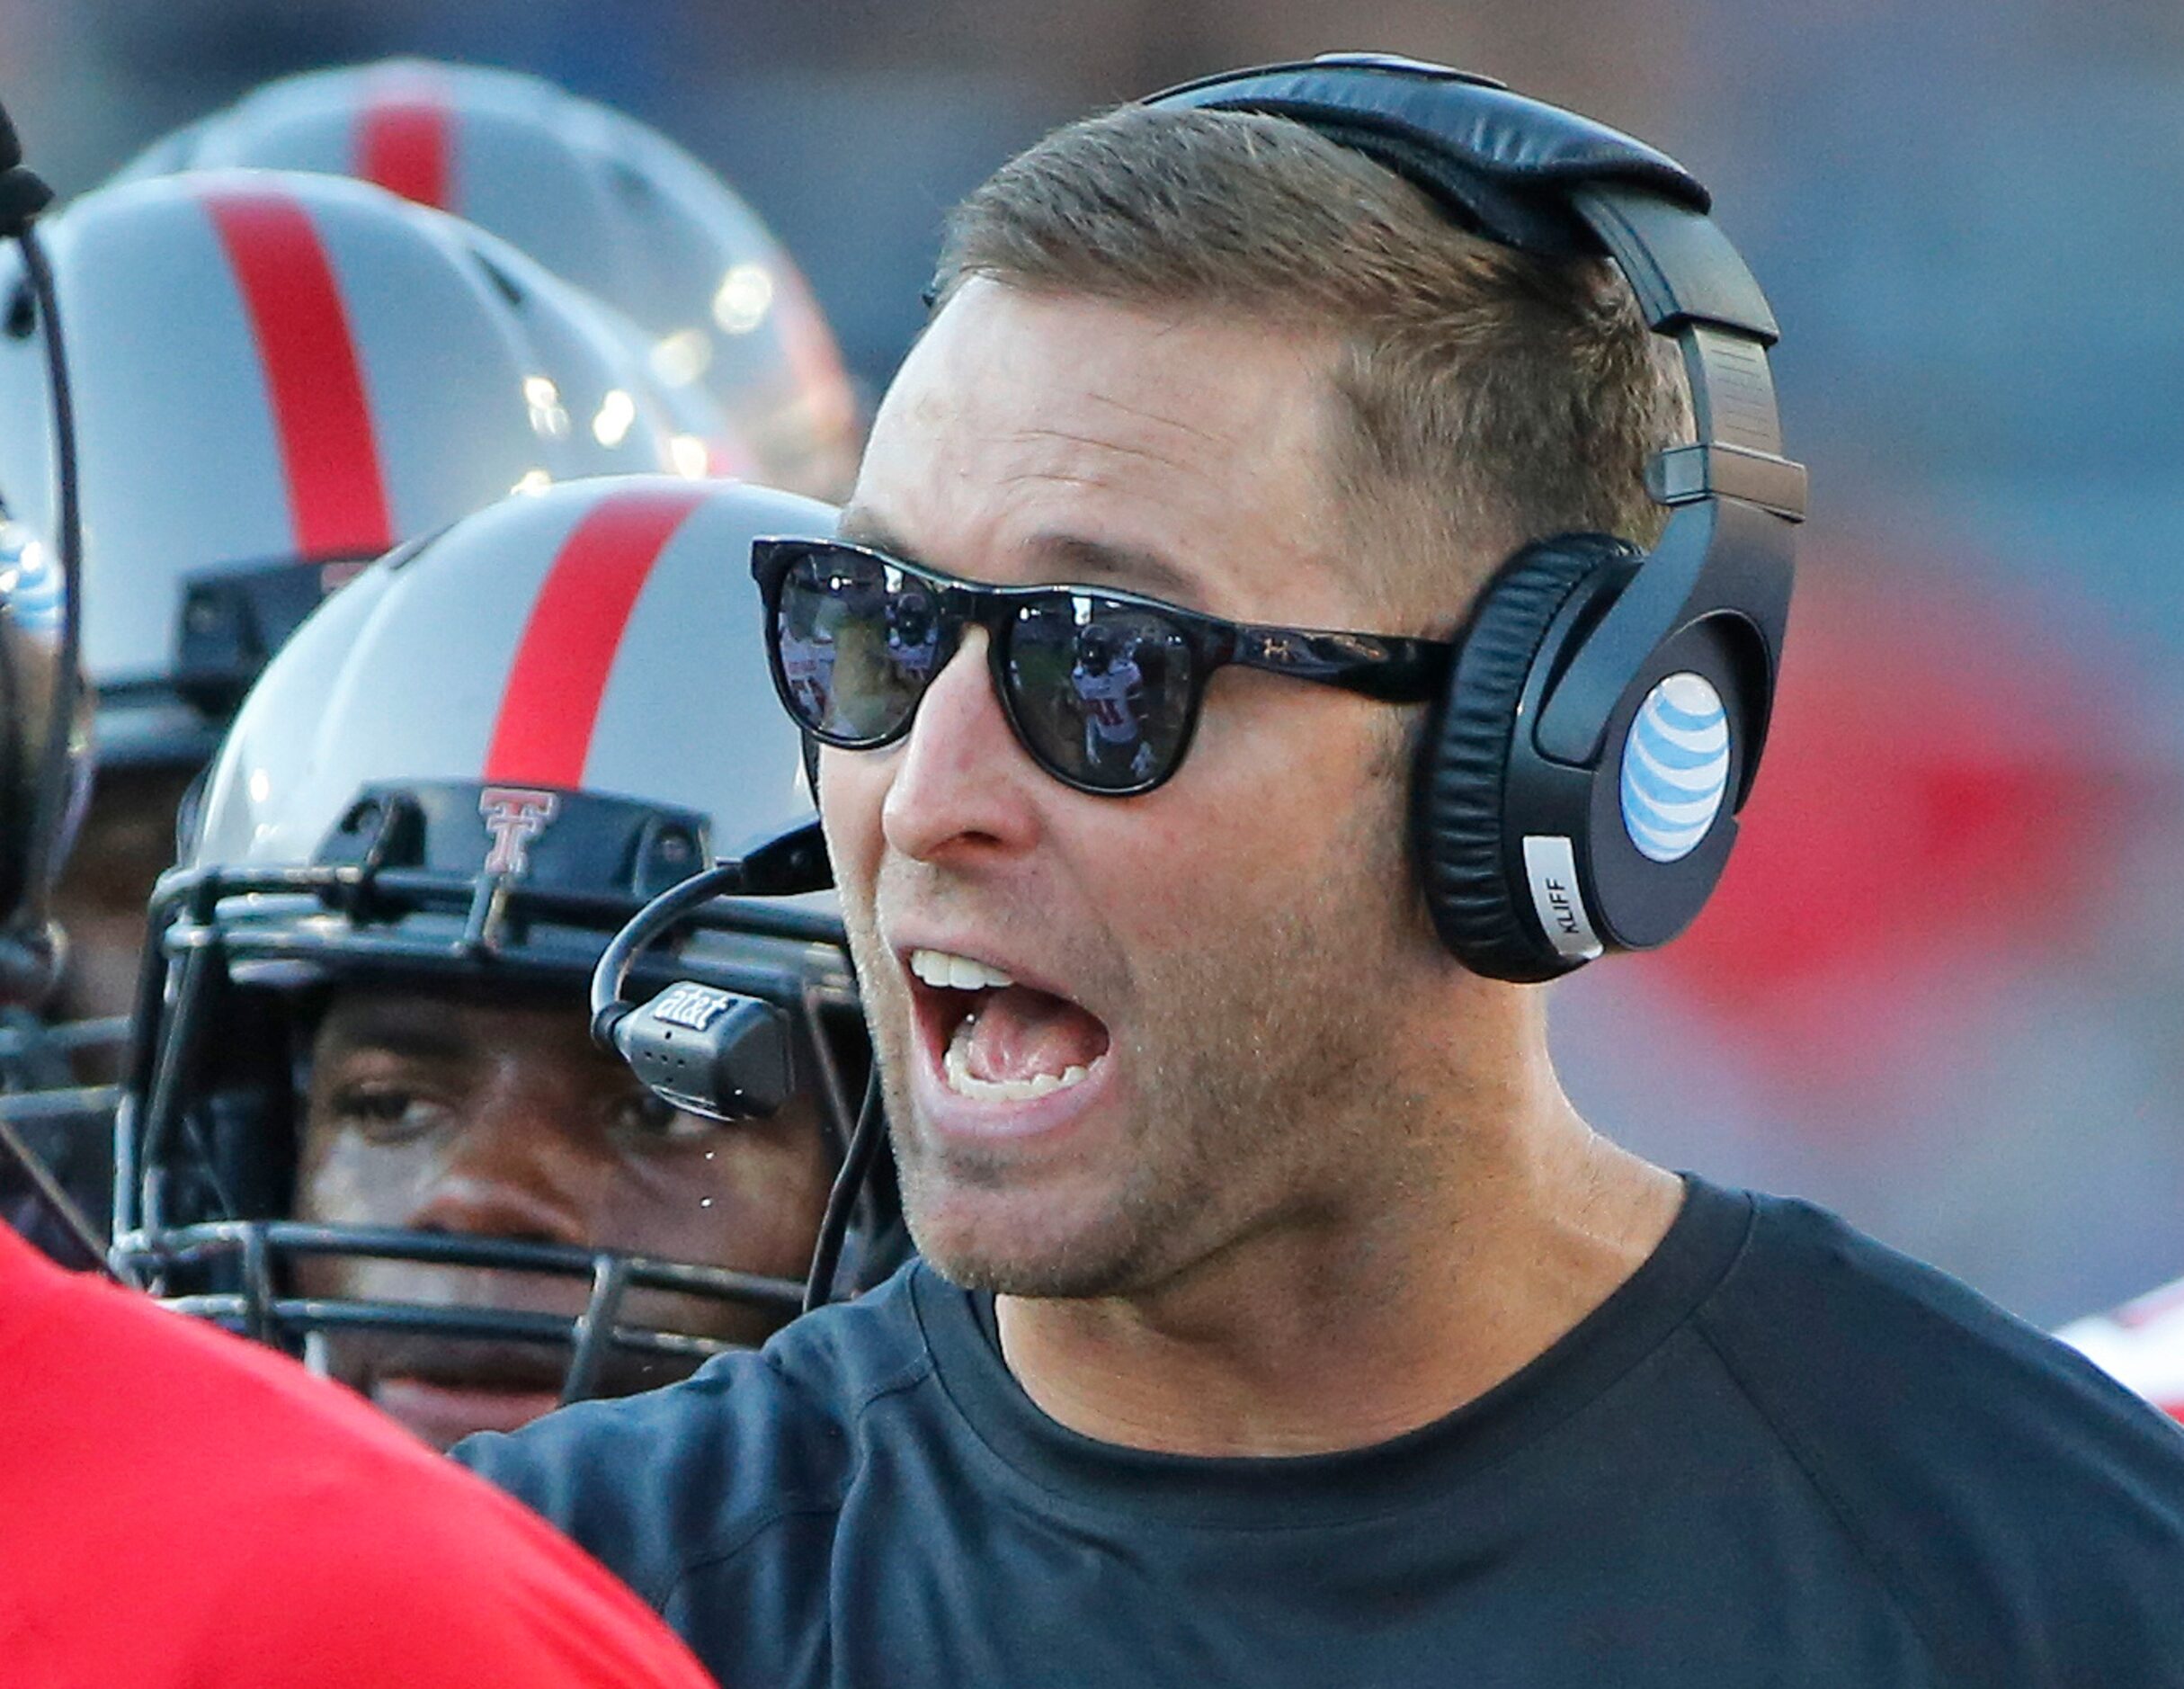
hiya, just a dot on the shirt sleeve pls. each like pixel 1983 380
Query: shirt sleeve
pixel 2025 1512
pixel 440 1590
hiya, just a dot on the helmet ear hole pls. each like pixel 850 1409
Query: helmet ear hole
pixel 22 319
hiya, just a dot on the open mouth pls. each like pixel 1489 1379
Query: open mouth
pixel 996 1040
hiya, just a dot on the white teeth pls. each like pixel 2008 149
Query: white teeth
pixel 956 973
pixel 960 1080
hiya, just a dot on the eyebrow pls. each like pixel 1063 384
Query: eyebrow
pixel 398 1030
pixel 859 526
pixel 1069 558
pixel 1134 568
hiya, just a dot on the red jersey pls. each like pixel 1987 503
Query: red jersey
pixel 179 1508
pixel 2141 1345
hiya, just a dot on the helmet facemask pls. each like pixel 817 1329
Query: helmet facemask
pixel 401 895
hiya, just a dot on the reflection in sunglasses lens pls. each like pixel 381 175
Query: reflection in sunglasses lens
pixel 859 642
pixel 1101 691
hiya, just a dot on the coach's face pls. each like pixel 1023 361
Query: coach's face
pixel 1209 976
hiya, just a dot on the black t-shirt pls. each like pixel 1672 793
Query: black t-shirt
pixel 1780 1454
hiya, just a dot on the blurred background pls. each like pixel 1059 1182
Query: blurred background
pixel 1942 989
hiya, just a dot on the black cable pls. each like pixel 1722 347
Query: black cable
pixel 781 865
pixel 612 971
pixel 842 1201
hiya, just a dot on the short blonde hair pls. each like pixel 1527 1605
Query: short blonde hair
pixel 1511 396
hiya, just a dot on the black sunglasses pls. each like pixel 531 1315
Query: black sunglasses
pixel 1103 688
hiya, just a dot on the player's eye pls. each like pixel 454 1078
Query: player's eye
pixel 387 1114
pixel 648 1120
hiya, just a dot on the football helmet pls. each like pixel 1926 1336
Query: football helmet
pixel 1095 649
pixel 598 198
pixel 474 764
pixel 278 377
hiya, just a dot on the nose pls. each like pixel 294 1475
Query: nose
pixel 961 787
pixel 513 1171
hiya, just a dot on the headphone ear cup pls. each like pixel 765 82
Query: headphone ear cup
pixel 1459 813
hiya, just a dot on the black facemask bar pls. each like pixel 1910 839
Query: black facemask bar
pixel 62 1152
pixel 263 1254
pixel 1151 730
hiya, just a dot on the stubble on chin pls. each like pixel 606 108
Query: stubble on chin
pixel 1257 1082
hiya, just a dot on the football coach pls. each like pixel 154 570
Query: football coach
pixel 1409 448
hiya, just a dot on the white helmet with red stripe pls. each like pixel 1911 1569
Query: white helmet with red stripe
pixel 274 370
pixel 599 199
pixel 600 636
pixel 473 764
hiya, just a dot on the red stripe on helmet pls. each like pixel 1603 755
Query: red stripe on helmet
pixel 336 492
pixel 403 143
pixel 543 734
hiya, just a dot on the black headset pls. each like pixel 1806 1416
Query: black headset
pixel 1579 784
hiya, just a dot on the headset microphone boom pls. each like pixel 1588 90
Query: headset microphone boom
pixel 720 1053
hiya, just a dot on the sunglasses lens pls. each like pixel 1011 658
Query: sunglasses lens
pixel 856 643
pixel 1101 691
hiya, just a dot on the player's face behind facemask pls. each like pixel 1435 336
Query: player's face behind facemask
pixel 477 1115
pixel 394 1149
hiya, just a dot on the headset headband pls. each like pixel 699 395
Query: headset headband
pixel 1545 181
